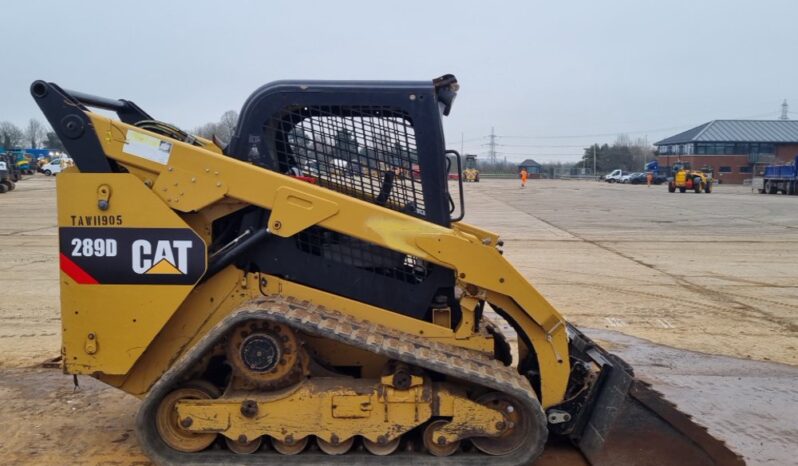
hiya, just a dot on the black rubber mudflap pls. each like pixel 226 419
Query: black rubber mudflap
pixel 632 424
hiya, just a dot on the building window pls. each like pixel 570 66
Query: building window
pixel 761 148
pixel 745 169
pixel 725 170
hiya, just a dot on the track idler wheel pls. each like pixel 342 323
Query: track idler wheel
pixel 437 445
pixel 289 446
pixel 517 428
pixel 381 448
pixel 242 446
pixel 170 430
pixel 337 448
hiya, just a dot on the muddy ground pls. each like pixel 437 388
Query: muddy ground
pixel 714 274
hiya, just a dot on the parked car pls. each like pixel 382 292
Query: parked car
pixel 614 176
pixel 640 178
pixel 55 166
pixel 52 167
pixel 628 176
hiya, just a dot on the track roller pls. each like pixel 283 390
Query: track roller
pixel 289 446
pixel 438 446
pixel 381 449
pixel 242 446
pixel 337 448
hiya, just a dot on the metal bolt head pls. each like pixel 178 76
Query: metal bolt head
pixel 277 224
pixel 289 439
pixel 102 204
pixel 242 439
pixel 501 425
pixel 334 439
pixel 249 408
pixel 441 440
pixel 186 423
pixel 382 440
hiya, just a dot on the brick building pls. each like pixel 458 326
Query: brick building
pixel 735 149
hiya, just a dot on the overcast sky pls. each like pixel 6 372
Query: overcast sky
pixel 538 70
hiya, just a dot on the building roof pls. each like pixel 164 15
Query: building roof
pixel 774 131
pixel 529 163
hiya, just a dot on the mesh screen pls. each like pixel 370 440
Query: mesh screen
pixel 346 250
pixel 365 152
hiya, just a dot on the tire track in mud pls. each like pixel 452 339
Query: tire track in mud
pixel 739 308
pixel 749 281
pixel 25 264
pixel 705 308
pixel 22 232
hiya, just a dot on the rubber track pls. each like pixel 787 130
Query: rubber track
pixel 452 361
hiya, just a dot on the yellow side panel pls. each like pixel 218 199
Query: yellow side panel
pixel 125 269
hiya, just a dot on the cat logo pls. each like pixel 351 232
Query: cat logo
pixel 165 258
pixel 100 255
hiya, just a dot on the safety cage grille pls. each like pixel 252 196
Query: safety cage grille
pixel 365 152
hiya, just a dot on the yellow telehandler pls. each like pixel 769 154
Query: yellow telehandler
pixel 685 178
pixel 471 172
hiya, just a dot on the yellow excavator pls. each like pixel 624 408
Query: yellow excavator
pixel 263 314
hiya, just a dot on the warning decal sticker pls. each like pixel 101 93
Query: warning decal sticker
pixel 147 147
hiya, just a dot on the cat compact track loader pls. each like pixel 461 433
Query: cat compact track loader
pixel 256 309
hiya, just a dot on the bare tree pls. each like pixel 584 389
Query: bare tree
pixel 34 133
pixel 52 141
pixel 223 129
pixel 207 131
pixel 10 135
pixel 227 125
pixel 625 153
